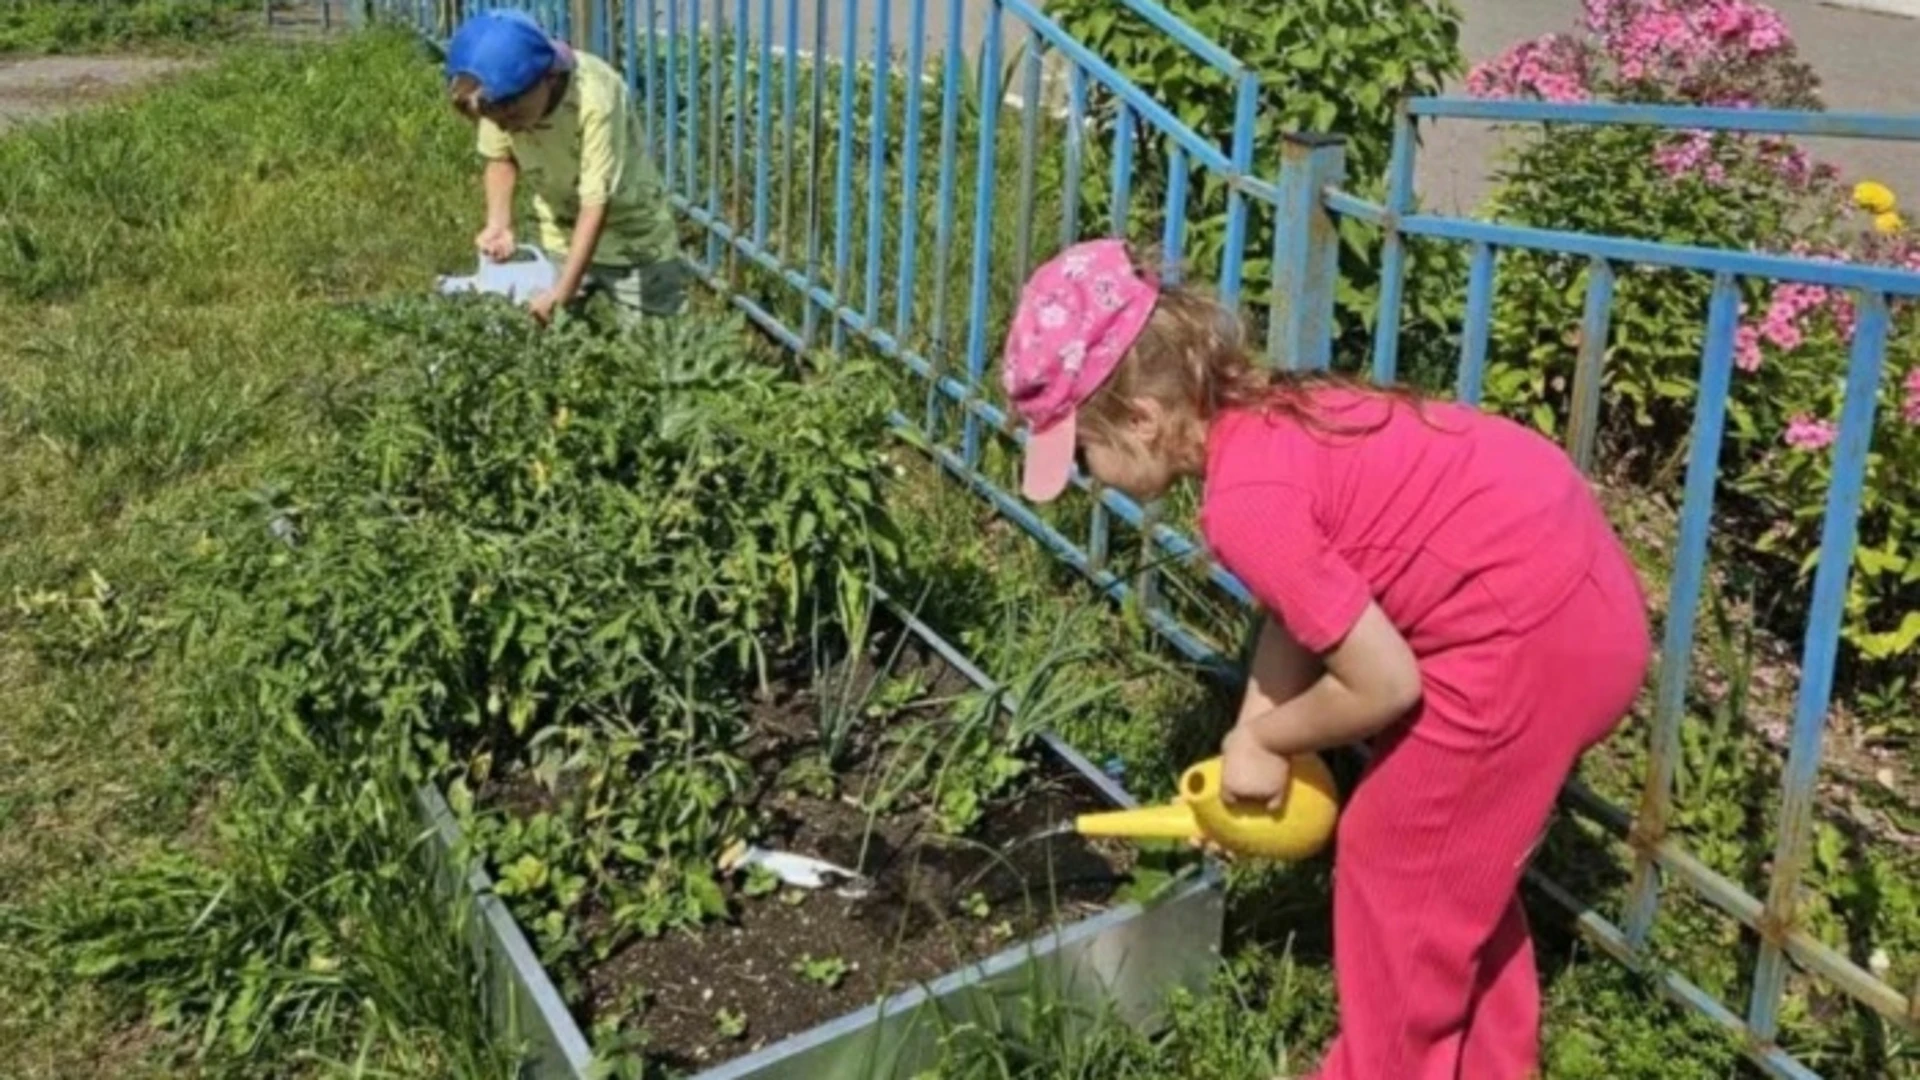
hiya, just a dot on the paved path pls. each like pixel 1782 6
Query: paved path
pixel 38 88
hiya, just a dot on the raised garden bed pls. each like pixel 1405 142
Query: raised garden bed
pixel 817 984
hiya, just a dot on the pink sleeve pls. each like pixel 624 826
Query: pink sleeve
pixel 1266 534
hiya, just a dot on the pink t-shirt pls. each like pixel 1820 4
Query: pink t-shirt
pixel 1460 524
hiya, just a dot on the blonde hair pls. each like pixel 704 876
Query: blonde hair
pixel 1192 358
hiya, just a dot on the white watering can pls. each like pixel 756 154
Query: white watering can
pixel 519 280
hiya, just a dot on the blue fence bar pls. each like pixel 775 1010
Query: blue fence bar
pixel 1583 425
pixel 1030 91
pixel 716 115
pixel 1393 250
pixel 1689 574
pixel 1473 342
pixel 984 184
pixel 915 74
pixel 1076 151
pixel 791 289
pixel 1306 253
pixel 1837 538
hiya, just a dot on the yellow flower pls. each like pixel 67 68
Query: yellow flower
pixel 1874 197
pixel 1889 223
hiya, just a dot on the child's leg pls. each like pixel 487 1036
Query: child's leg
pixel 1431 953
pixel 1503 1028
pixel 1429 854
pixel 639 291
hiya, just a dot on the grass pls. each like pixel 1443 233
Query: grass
pixel 182 892
pixel 72 26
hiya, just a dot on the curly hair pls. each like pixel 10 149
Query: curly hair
pixel 1192 357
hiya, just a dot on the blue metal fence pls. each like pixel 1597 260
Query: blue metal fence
pixel 742 98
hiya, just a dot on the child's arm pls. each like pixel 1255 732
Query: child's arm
pixel 498 179
pixel 586 237
pixel 1269 536
pixel 1367 682
pixel 1371 680
pixel 496 239
pixel 1280 670
pixel 603 131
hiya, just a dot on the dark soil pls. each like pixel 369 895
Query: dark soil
pixel 935 902
pixel 910 930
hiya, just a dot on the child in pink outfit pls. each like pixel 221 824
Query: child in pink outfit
pixel 1441 583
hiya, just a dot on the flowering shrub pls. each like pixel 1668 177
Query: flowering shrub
pixel 1793 354
pixel 1730 53
pixel 1719 190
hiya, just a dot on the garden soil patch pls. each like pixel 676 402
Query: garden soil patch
pixel 936 902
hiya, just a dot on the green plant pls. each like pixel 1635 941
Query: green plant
pixel 242 904
pixel 1328 66
pixel 826 972
pixel 306 932
pixel 59 26
pixel 552 554
pixel 955 766
pixel 730 1024
pixel 760 882
pixel 847 692
pixel 1717 191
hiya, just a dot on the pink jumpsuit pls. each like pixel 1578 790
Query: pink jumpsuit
pixel 1486 548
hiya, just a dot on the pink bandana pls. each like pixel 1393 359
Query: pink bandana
pixel 1078 315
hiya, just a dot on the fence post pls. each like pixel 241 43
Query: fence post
pixel 1306 249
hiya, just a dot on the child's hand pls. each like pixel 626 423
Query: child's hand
pixel 543 306
pixel 1250 773
pixel 496 242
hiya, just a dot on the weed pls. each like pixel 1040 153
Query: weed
pixel 55 26
pixel 307 935
pixel 192 882
pixel 826 972
pixel 760 882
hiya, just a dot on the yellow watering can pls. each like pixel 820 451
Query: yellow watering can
pixel 1299 829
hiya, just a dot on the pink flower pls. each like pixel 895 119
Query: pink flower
pixel 1746 348
pixel 1684 155
pixel 1806 433
pixel 1551 68
pixel 1910 409
pixel 1678 43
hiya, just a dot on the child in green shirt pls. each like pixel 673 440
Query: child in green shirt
pixel 564 121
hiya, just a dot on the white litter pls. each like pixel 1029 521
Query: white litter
pixel 519 280
pixel 799 871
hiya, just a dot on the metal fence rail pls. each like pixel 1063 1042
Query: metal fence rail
pixel 770 121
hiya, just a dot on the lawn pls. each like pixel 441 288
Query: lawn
pixel 73 26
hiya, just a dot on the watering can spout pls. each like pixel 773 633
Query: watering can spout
pixel 1174 821
pixel 1299 829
